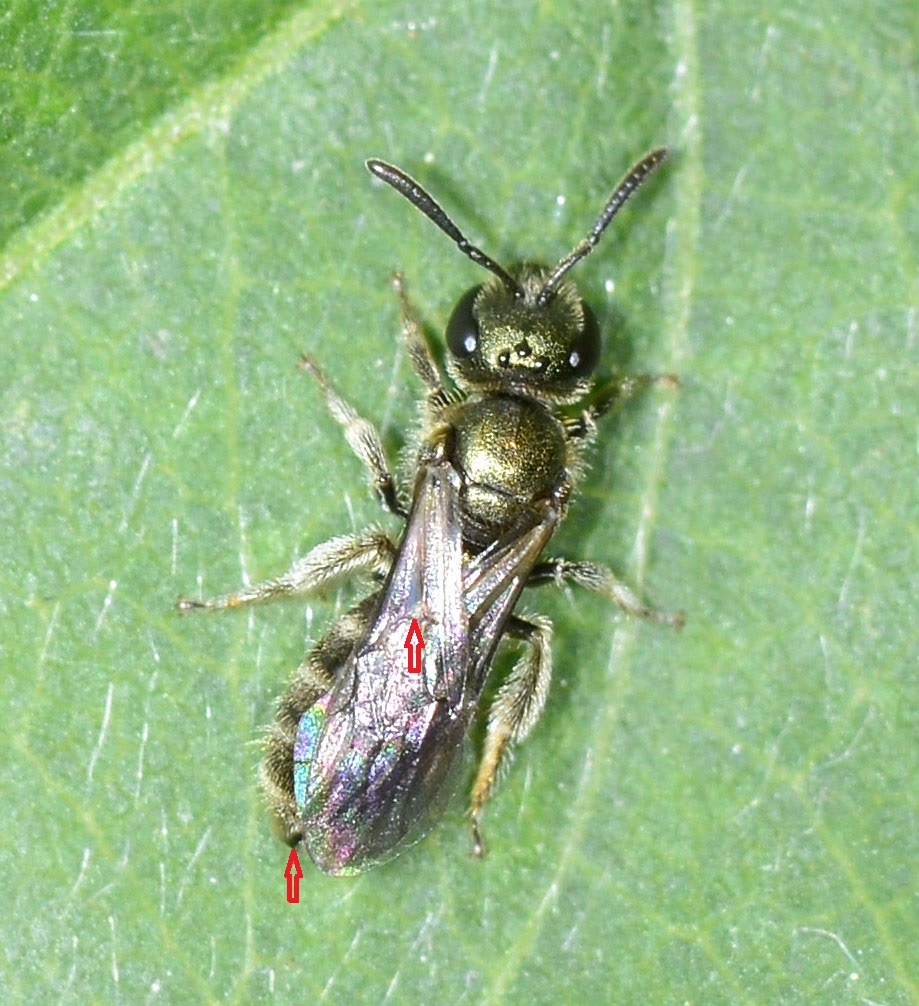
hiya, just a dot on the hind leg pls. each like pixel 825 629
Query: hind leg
pixel 312 679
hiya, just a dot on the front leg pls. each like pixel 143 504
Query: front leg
pixel 363 439
pixel 613 393
pixel 419 352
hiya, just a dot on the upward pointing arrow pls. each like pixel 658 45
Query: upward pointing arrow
pixel 413 643
pixel 293 873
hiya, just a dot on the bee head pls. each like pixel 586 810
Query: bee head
pixel 526 331
pixel 505 339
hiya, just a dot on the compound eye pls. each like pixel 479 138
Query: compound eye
pixel 462 328
pixel 585 348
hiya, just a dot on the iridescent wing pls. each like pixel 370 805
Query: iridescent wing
pixel 374 758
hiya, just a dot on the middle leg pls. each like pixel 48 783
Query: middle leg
pixel 604 581
pixel 372 551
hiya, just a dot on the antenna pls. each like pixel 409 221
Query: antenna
pixel 418 197
pixel 627 187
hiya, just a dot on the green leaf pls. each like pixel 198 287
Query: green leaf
pixel 83 80
pixel 725 815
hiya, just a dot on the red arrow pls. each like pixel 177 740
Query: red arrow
pixel 413 643
pixel 293 873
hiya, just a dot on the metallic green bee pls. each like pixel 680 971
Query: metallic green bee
pixel 363 753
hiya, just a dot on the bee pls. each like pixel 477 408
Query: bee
pixel 363 753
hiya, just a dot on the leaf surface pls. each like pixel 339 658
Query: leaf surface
pixel 724 815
